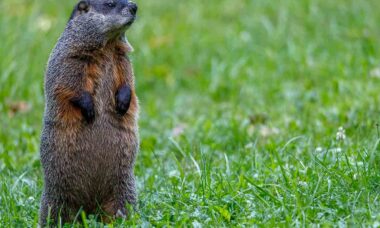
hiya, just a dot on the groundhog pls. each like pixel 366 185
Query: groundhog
pixel 90 135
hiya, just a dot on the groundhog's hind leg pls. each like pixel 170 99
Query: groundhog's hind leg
pixel 113 209
pixel 44 211
pixel 131 195
pixel 53 212
pixel 125 192
pixel 49 212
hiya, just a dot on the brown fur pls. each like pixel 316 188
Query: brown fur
pixel 92 72
pixel 90 139
pixel 115 52
pixel 114 55
pixel 67 112
pixel 122 68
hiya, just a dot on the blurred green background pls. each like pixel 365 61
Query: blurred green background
pixel 241 102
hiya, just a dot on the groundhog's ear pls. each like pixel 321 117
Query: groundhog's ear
pixel 83 7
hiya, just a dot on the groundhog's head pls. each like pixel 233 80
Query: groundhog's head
pixel 117 14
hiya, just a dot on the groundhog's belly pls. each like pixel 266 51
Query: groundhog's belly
pixel 89 163
pixel 109 149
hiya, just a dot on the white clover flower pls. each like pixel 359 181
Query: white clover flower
pixel 30 199
pixel 341 134
pixel 245 36
pixel 249 146
pixel 319 149
pixel 174 173
pixel 335 150
pixel 43 23
pixel 303 184
pixel 375 73
pixel 196 224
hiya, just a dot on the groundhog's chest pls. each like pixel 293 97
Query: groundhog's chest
pixel 105 89
pixel 112 74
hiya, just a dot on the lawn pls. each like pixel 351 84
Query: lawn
pixel 252 112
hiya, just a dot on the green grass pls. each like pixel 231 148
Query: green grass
pixel 240 105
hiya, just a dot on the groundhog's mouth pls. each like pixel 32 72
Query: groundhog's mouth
pixel 130 21
pixel 123 27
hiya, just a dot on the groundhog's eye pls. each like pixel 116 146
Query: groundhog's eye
pixel 110 4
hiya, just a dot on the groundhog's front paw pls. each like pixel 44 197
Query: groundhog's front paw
pixel 123 99
pixel 86 104
pixel 89 114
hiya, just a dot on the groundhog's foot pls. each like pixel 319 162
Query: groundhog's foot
pixel 123 99
pixel 113 210
pixel 86 104
pixel 120 214
pixel 108 218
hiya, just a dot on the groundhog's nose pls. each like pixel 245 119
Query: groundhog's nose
pixel 132 7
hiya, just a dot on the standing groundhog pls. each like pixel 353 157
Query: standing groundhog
pixel 90 134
